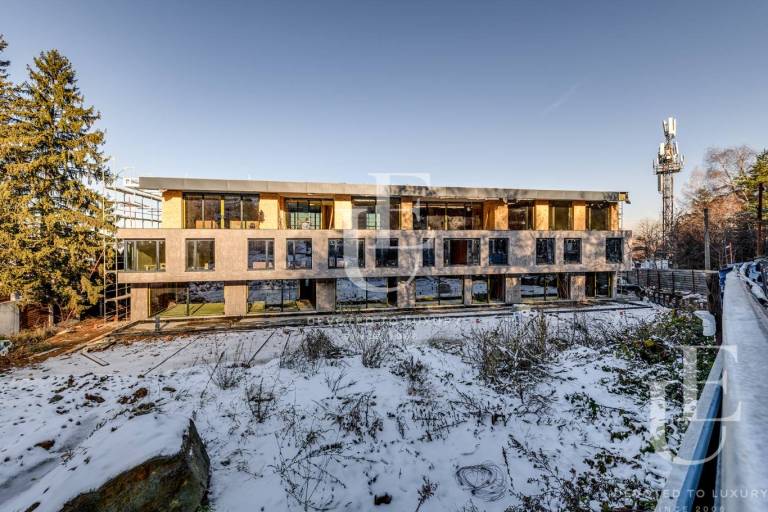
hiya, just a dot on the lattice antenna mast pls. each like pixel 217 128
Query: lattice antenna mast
pixel 668 162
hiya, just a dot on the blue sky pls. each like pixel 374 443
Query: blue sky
pixel 499 93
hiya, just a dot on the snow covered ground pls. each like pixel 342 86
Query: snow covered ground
pixel 421 431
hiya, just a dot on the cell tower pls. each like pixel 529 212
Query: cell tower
pixel 667 163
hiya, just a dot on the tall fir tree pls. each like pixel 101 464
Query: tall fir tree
pixel 53 211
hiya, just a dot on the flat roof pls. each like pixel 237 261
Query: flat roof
pixel 305 188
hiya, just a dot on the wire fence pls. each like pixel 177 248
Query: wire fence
pixel 676 281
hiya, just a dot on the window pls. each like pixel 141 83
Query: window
pixel 545 251
pixel 439 290
pixel 521 215
pixel 386 252
pixel 560 216
pixel 211 211
pixel 488 289
pixel 599 284
pixel 614 250
pixel 461 251
pixel 538 287
pixel 372 292
pixel 241 212
pixel 599 216
pixel 304 213
pixel 376 213
pixel 143 255
pixel 451 216
pixel 186 299
pixel 498 253
pixel 261 254
pixel 427 252
pixel 201 255
pixel 298 253
pixel 274 296
pixel 354 248
pixel 572 250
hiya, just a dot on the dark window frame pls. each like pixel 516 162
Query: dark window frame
pixel 530 213
pixel 609 258
pixel 545 255
pixel 428 252
pixel 195 251
pixel 497 247
pixel 472 252
pixel 290 253
pixel 554 206
pixel 383 257
pixel 269 243
pixel 568 258
pixel 335 255
pixel 437 212
pixel 160 260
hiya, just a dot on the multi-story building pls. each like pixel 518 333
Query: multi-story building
pixel 236 247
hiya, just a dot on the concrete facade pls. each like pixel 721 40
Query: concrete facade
pixel 231 245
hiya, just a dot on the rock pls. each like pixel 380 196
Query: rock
pixel 94 398
pixel 176 483
pixel 384 499
pixel 46 445
pixel 55 398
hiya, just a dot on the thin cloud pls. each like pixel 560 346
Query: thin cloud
pixel 559 102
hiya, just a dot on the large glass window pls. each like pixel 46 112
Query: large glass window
pixel 261 254
pixel 299 253
pixel 488 289
pixel 143 255
pixel 560 215
pixel 520 215
pixel 186 299
pixel 599 284
pixel 427 252
pixel 572 250
pixel 346 253
pixel 274 296
pixel 599 216
pixel 305 213
pixel 614 250
pixel 545 251
pixel 451 216
pixel 538 287
pixel 461 251
pixel 376 213
pixel 372 292
pixel 201 255
pixel 387 252
pixel 204 211
pixel 498 251
pixel 439 290
pixel 394 213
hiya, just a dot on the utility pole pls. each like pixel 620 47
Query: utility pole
pixel 760 244
pixel 707 265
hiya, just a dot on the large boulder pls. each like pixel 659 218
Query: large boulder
pixel 176 483
pixel 150 463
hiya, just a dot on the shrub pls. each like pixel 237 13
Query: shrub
pixel 315 346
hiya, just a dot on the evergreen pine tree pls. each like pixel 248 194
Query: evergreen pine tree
pixel 53 222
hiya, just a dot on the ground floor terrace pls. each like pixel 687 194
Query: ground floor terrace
pixel 295 296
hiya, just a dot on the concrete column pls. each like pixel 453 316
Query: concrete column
pixel 236 298
pixel 342 212
pixel 172 214
pixel 541 215
pixel 406 293
pixel 578 286
pixel 467 290
pixel 513 290
pixel 614 283
pixel 270 208
pixel 139 302
pixel 406 213
pixel 579 215
pixel 614 210
pixel 325 295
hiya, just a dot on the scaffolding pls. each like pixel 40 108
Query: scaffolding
pixel 126 207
